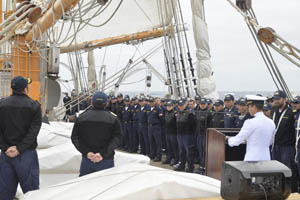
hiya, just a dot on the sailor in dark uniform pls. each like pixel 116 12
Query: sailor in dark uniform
pixel 171 135
pixel 283 148
pixel 135 125
pixel 20 123
pixel 67 100
pixel 186 127
pixel 154 130
pixel 297 130
pixel 197 99
pixel 231 112
pixel 203 116
pixel 118 111
pixel 96 134
pixel 210 104
pixel 243 113
pixel 217 120
pixel 127 121
pixel 267 110
pixel 143 126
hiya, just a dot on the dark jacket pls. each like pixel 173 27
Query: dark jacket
pixel 170 122
pixel 203 121
pixel 118 110
pixel 154 116
pixel 217 120
pixel 135 113
pixel 97 131
pixel 285 135
pixel 241 120
pixel 20 122
pixel 186 122
pixel 230 117
pixel 143 115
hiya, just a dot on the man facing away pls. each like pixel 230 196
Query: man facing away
pixel 20 123
pixel 96 134
pixel 256 132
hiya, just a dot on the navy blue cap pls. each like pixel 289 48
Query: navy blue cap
pixel 267 107
pixel 142 99
pixel 19 83
pixel 219 102
pixel 209 101
pixel 99 98
pixel 170 103
pixel 181 102
pixel 203 101
pixel 151 99
pixel 197 97
pixel 120 95
pixel 296 100
pixel 126 99
pixel 134 98
pixel 269 98
pixel 243 101
pixel 279 94
pixel 229 97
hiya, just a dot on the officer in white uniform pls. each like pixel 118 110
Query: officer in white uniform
pixel 257 132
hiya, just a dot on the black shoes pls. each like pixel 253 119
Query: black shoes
pixel 157 160
pixel 167 161
pixel 179 167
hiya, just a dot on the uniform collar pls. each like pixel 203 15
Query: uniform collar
pixel 258 114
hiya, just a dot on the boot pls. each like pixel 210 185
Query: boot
pixel 179 167
pixel 167 161
pixel 157 159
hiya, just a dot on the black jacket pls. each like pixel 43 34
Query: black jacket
pixel 97 131
pixel 20 122
pixel 203 120
pixel 118 110
pixel 285 135
pixel 217 120
pixel 170 122
pixel 186 122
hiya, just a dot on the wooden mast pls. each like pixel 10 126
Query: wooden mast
pixel 26 63
pixel 115 40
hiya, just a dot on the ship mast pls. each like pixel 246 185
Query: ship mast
pixel 26 59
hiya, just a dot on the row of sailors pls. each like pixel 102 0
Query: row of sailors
pixel 180 127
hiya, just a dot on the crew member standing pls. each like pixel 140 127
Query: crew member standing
pixel 186 127
pixel 297 129
pixel 257 132
pixel 96 134
pixel 20 123
pixel 283 148
pixel 217 120
pixel 154 130
pixel 231 112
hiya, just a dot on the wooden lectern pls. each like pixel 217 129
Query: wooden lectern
pixel 217 151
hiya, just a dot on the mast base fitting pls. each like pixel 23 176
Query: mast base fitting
pixel 244 5
pixel 266 35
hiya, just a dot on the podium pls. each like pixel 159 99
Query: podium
pixel 217 151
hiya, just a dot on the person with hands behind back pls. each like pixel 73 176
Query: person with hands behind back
pixel 96 134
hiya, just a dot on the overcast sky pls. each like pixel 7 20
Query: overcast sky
pixel 236 62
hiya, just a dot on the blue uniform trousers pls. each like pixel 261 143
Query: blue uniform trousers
pixel 298 163
pixel 126 143
pixel 23 169
pixel 134 137
pixel 88 167
pixel 154 132
pixel 172 146
pixel 187 149
pixel 144 139
pixel 163 138
pixel 286 155
pixel 201 145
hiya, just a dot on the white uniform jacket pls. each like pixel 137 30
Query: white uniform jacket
pixel 258 133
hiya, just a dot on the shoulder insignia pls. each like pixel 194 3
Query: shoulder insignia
pixel 113 114
pixel 294 111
